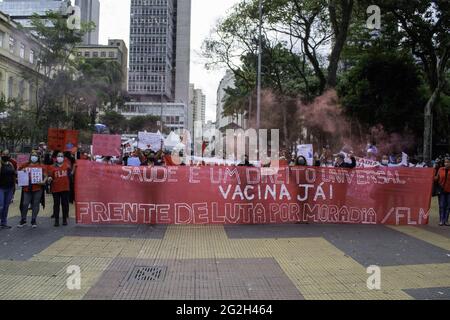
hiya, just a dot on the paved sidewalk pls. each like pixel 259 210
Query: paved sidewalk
pixel 289 262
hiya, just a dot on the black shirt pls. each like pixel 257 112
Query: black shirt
pixel 7 176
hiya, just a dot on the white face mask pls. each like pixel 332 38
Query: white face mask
pixel 385 162
pixel 60 159
pixel 34 159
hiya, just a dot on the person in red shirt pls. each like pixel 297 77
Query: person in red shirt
pixel 32 194
pixel 59 174
pixel 443 178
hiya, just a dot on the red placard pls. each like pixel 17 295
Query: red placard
pixel 240 195
pixel 62 139
pixel 106 145
pixel 22 158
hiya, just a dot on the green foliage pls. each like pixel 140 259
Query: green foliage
pixel 384 88
pixel 16 125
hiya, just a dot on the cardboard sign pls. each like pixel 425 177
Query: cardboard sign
pixel 366 163
pixel 23 179
pixel 22 158
pixel 149 140
pixel 306 150
pixel 36 175
pixel 106 145
pixel 62 139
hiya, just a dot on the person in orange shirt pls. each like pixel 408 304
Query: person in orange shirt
pixel 58 177
pixel 33 192
pixel 443 178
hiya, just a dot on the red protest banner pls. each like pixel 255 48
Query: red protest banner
pixel 106 145
pixel 62 139
pixel 240 195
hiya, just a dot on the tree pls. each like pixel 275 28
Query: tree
pixel 425 28
pixel 16 125
pixel 144 123
pixel 55 71
pixel 384 88
pixel 115 121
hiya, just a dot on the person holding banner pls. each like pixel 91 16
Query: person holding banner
pixel 59 174
pixel 443 178
pixel 7 187
pixel 32 194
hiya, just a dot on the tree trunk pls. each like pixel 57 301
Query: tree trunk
pixel 340 37
pixel 428 131
pixel 285 129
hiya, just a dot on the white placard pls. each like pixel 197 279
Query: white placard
pixel 149 140
pixel 23 179
pixel 306 150
pixel 36 175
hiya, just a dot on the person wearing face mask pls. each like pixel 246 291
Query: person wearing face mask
pixel 59 174
pixel 7 187
pixel 32 194
pixel 385 161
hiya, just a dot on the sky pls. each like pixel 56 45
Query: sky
pixel 115 24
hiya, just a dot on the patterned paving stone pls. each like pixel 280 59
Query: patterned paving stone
pixel 369 245
pixel 430 293
pixel 197 279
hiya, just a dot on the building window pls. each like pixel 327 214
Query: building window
pixel 31 56
pixel 22 51
pixel 79 54
pixel 87 54
pixel 2 36
pixel 12 44
pixel 103 54
pixel 95 54
pixel 111 55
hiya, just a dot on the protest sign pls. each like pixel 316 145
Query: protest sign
pixel 36 175
pixel 243 195
pixel 23 179
pixel 62 139
pixel 149 140
pixel 366 163
pixel 106 145
pixel 22 158
pixel 133 162
pixel 306 150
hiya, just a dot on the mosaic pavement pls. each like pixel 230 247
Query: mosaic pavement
pixel 286 262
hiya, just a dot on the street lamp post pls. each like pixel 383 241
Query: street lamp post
pixel 258 89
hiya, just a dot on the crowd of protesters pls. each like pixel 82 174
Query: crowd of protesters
pixel 58 171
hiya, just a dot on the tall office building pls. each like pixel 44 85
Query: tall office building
pixel 160 50
pixel 21 10
pixel 197 106
pixel 90 11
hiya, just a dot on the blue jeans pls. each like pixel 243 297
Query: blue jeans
pixel 444 207
pixel 6 196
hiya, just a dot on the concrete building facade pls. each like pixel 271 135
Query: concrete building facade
pixel 223 121
pixel 197 106
pixel 90 12
pixel 21 11
pixel 160 54
pixel 115 50
pixel 18 62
